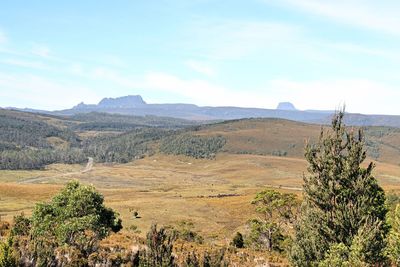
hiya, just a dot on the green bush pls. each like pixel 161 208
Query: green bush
pixel 7 257
pixel 71 224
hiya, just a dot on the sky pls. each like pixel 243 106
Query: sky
pixel 316 54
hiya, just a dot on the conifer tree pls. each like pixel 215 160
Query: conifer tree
pixel 393 248
pixel 343 205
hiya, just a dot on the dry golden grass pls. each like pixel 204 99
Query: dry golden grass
pixel 169 189
pixel 266 136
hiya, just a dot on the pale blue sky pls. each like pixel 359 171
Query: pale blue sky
pixel 314 53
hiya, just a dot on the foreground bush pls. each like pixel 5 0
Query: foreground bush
pixel 65 230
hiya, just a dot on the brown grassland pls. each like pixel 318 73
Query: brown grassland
pixel 213 194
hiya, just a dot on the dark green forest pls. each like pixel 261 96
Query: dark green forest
pixel 193 145
pixel 32 141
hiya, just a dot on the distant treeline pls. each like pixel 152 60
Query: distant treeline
pixel 118 121
pixel 193 145
pixel 125 147
pixel 121 149
pixel 39 158
pixel 106 126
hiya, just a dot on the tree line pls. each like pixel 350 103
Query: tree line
pixel 29 159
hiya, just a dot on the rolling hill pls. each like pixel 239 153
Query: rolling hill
pixel 121 138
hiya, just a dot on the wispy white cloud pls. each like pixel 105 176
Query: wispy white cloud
pixel 209 40
pixel 3 37
pixel 198 91
pixel 360 95
pixel 200 67
pixel 24 63
pixel 26 90
pixel 113 60
pixel 257 41
pixel 363 49
pixel 382 16
pixel 41 50
pixel 76 69
pixel 236 39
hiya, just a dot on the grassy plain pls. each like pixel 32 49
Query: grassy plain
pixel 213 194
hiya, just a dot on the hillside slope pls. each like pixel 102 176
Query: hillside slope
pixel 287 138
pixel 121 138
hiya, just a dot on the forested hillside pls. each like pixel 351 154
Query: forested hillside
pixel 32 141
pixel 24 132
pixel 124 147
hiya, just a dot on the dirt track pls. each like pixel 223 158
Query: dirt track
pixel 34 180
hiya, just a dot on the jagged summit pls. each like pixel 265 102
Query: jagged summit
pixel 130 101
pixel 285 106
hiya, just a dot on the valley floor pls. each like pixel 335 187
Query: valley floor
pixel 213 194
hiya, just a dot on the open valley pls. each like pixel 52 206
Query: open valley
pixel 215 195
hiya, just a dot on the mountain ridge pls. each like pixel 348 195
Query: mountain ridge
pixel 135 105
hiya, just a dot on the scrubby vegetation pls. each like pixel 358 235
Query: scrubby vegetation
pixel 276 213
pixel 76 229
pixel 64 231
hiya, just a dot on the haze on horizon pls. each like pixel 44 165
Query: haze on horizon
pixel 316 54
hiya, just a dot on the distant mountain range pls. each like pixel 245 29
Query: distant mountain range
pixel 135 105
